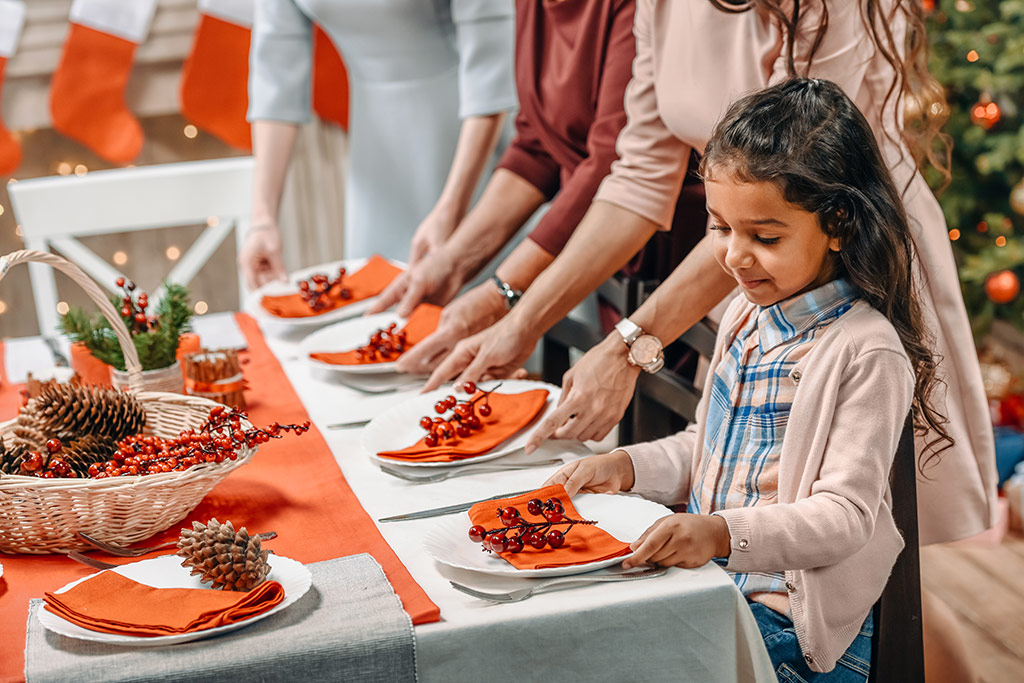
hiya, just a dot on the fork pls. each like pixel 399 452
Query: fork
pixel 462 471
pixel 524 593
pixel 120 551
pixel 90 561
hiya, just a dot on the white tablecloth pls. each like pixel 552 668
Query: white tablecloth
pixel 689 625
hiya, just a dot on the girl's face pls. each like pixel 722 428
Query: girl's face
pixel 774 249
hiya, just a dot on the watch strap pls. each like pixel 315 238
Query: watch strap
pixel 511 296
pixel 629 330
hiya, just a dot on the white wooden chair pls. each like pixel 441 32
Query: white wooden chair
pixel 54 211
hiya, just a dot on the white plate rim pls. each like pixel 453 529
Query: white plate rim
pixel 425 406
pixel 295 573
pixel 314 343
pixel 439 540
pixel 253 307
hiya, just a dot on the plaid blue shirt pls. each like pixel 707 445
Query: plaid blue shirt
pixel 748 409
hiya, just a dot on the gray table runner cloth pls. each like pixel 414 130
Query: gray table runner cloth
pixel 350 626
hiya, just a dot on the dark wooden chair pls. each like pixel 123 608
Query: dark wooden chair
pixel 897 648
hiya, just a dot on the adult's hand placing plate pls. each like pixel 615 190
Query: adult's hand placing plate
pixel 398 435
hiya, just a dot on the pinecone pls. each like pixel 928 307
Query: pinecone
pixel 11 456
pixel 87 450
pixel 30 432
pixel 218 554
pixel 68 412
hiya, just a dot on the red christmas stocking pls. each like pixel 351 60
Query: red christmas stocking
pixel 214 86
pixel 87 94
pixel 12 17
pixel 330 80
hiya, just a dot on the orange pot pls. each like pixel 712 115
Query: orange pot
pixel 90 369
pixel 188 343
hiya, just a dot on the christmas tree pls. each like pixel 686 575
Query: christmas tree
pixel 977 53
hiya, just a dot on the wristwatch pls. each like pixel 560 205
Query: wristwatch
pixel 645 350
pixel 511 296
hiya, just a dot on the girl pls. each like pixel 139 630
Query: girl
pixel 785 472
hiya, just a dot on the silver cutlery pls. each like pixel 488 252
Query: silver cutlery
pixel 121 551
pixel 448 509
pixel 436 476
pixel 350 423
pixel 524 593
pixel 94 563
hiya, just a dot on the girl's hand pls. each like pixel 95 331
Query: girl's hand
pixel 681 540
pixel 605 473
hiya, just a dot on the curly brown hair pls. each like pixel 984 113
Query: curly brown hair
pixel 807 136
pixel 913 87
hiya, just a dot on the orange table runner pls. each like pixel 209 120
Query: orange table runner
pixel 292 486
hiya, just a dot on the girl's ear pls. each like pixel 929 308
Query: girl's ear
pixel 834 244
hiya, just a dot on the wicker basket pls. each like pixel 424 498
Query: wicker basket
pixel 42 515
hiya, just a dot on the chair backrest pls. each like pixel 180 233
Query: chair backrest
pixel 54 211
pixel 897 646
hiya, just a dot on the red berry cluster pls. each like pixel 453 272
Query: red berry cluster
pixel 535 534
pixel 463 419
pixel 33 461
pixel 387 343
pixel 216 440
pixel 316 291
pixel 133 308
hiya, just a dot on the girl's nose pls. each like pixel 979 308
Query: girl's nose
pixel 738 257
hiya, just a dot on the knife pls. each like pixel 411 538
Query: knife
pixel 448 509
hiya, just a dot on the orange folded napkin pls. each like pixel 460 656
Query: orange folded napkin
pixel 509 414
pixel 421 324
pixel 370 280
pixel 584 543
pixel 111 603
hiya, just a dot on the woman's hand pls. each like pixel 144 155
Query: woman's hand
pixel 434 279
pixel 605 473
pixel 470 313
pixel 499 351
pixel 595 394
pixel 432 233
pixel 260 258
pixel 681 540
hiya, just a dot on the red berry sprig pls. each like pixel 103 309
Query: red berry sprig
pixel 133 308
pixel 218 439
pixel 386 342
pixel 462 421
pixel 317 290
pixel 524 533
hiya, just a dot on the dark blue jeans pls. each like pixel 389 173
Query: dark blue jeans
pixel 780 639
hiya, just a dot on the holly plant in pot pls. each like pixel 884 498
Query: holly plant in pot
pixel 155 331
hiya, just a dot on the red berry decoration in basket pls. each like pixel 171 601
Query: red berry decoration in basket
pixel 462 420
pixel 219 438
pixel 517 533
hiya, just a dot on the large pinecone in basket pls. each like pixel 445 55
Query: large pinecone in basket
pixel 66 412
pixel 11 456
pixel 220 555
pixel 87 450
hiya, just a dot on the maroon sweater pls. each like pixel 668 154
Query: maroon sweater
pixel 573 61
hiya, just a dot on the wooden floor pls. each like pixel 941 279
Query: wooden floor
pixel 984 585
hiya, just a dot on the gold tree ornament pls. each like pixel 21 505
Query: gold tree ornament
pixel 223 557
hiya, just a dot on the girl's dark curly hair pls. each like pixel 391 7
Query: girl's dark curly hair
pixel 806 136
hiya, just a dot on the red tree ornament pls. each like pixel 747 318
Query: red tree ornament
pixel 1002 287
pixel 985 114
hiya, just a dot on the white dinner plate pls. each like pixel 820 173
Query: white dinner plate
pixel 252 301
pixel 167 572
pixel 624 517
pixel 349 335
pixel 399 427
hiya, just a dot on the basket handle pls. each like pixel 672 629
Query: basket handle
pixel 131 356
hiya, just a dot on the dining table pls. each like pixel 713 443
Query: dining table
pixel 685 625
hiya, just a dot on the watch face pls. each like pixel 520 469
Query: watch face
pixel 645 350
